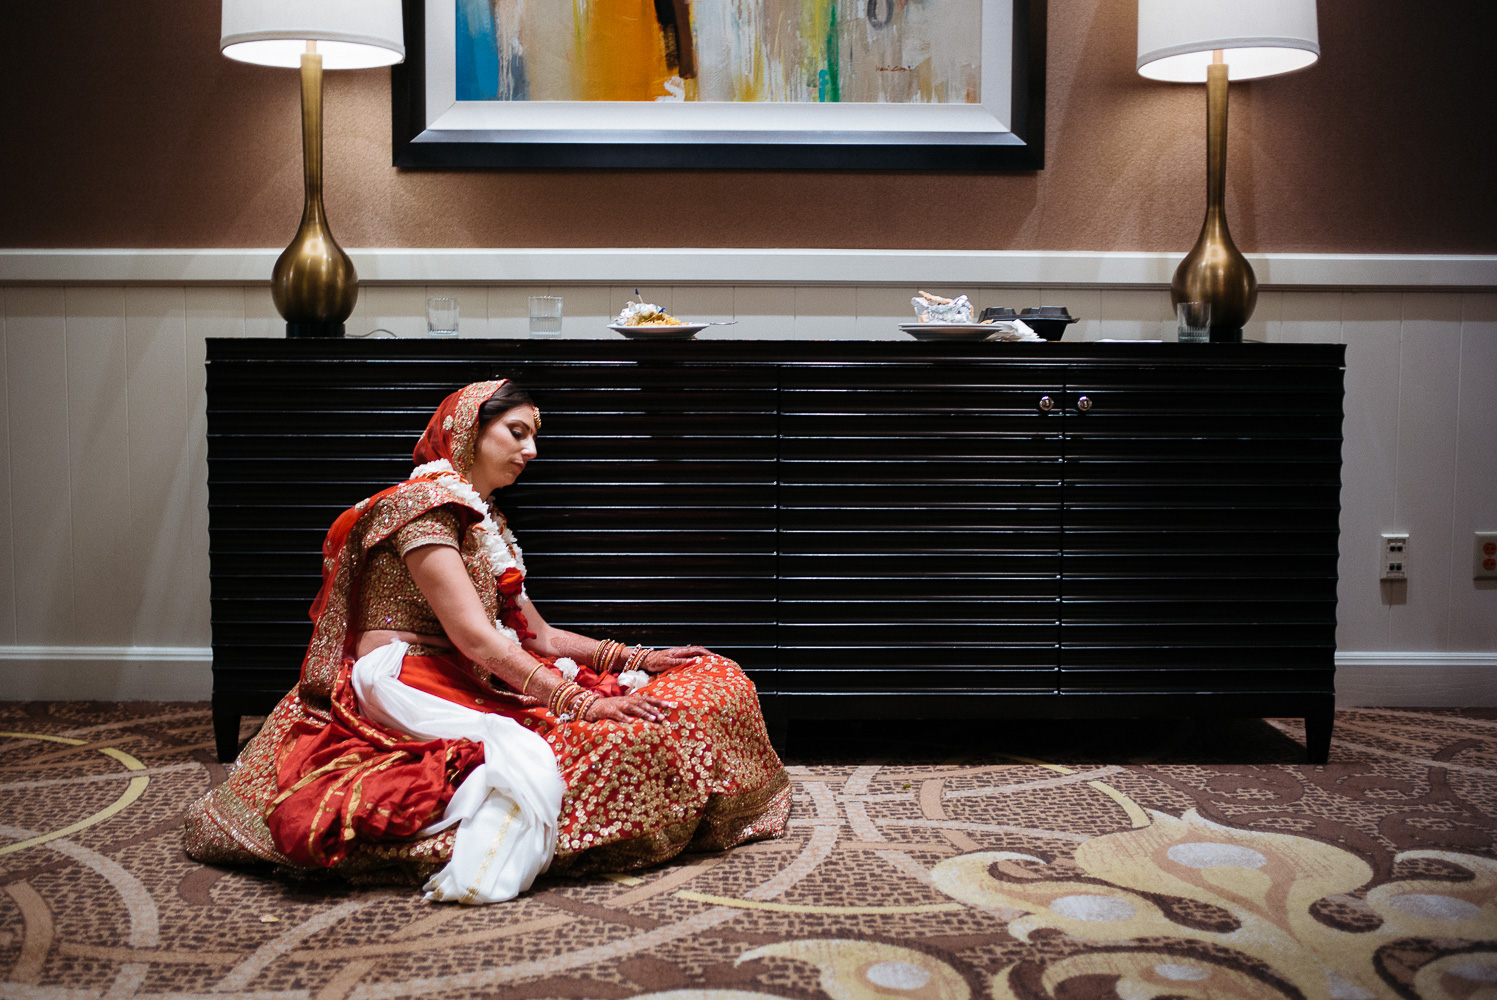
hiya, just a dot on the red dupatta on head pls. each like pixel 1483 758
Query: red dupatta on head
pixel 450 438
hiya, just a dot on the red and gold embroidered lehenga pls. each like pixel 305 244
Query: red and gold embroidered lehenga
pixel 323 786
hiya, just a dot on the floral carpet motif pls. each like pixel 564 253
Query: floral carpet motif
pixel 1036 861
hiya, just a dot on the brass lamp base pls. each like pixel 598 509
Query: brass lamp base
pixel 1215 271
pixel 313 284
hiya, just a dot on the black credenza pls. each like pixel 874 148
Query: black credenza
pixel 873 529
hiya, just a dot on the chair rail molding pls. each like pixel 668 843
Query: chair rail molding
pixel 795 266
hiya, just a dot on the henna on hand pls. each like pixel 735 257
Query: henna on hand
pixel 628 707
pixel 660 660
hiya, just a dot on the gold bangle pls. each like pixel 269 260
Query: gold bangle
pixel 636 662
pixel 597 660
pixel 524 688
pixel 568 709
pixel 553 703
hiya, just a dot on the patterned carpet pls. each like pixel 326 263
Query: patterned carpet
pixel 1066 861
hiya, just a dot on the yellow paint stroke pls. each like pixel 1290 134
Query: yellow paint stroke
pixel 622 56
pixel 748 904
pixel 134 791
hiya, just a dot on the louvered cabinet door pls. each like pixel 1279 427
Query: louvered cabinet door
pixel 649 515
pixel 919 533
pixel 1201 510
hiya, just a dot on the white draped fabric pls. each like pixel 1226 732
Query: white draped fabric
pixel 506 811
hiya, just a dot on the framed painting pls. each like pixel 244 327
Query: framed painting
pixel 749 84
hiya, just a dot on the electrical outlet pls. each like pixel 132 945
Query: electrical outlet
pixel 1484 563
pixel 1395 556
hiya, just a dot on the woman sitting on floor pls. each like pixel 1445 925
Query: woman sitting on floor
pixel 441 723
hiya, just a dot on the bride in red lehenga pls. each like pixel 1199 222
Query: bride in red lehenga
pixel 442 730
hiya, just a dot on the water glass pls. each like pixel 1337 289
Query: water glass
pixel 441 316
pixel 1194 322
pixel 545 314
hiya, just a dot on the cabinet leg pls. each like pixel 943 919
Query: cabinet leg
pixel 1318 736
pixel 226 732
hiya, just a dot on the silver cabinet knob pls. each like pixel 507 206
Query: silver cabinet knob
pixel 1084 403
pixel 1047 404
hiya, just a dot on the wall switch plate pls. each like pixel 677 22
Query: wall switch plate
pixel 1395 564
pixel 1484 562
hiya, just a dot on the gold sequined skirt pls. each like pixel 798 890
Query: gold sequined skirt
pixel 638 793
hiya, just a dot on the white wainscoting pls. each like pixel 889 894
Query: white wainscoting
pixel 103 505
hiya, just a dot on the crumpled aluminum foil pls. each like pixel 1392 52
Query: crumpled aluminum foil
pixel 959 310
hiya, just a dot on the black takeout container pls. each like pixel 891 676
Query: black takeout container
pixel 1049 322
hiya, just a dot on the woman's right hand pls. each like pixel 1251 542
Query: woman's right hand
pixel 628 707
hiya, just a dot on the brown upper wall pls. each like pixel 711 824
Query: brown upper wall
pixel 125 127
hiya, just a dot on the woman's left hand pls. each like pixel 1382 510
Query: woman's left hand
pixel 627 708
pixel 657 661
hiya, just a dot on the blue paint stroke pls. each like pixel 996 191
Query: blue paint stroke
pixel 477 52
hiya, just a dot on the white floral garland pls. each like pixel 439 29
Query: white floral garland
pixel 632 680
pixel 503 552
pixel 498 543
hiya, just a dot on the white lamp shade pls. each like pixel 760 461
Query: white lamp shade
pixel 1257 37
pixel 350 34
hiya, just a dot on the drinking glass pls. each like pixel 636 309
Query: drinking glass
pixel 1194 322
pixel 545 314
pixel 441 316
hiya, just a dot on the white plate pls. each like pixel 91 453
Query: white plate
pixel 965 331
pixel 683 332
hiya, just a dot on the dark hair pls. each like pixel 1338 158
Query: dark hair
pixel 506 398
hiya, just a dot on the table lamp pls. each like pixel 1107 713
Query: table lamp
pixel 1191 41
pixel 313 284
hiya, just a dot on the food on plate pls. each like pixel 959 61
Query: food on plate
pixel 939 309
pixel 646 314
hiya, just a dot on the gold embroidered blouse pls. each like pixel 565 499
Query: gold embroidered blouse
pixel 389 597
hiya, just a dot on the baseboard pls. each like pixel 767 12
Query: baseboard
pixel 106 673
pixel 747 266
pixel 1415 679
pixel 184 673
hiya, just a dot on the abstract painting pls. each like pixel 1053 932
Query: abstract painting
pixel 867 51
pixel 735 84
